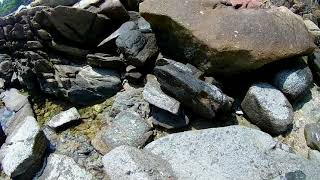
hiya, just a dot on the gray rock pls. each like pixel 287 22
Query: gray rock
pixel 106 61
pixel 127 128
pixel 127 162
pixel 218 153
pixel 153 94
pixel 2 136
pixel 69 50
pixel 14 100
pixel 160 117
pixel 268 108
pixel 200 97
pixel 294 82
pixel 22 153
pixel 312 135
pixel 6 67
pixel 44 35
pixel 66 117
pixel 313 29
pixel 53 3
pixel 63 167
pixel 34 45
pixel 314 64
pixel 131 99
pixel 113 9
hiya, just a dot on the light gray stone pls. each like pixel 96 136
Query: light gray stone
pixel 232 152
pixel 61 167
pixel 153 94
pixel 127 162
pixel 268 108
pixel 13 99
pixel 312 135
pixel 66 117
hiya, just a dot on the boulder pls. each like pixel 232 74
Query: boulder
pixel 63 167
pixel 21 155
pixel 127 162
pixel 294 81
pixel 314 30
pixel 153 94
pixel 6 67
pixel 53 3
pixel 106 61
pixel 64 118
pixel 127 128
pixel 224 40
pixel 268 108
pixel 113 9
pixel 312 135
pixel 163 118
pixel 14 100
pixel 217 153
pixel 200 97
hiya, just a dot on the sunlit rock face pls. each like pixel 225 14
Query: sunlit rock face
pixel 9 6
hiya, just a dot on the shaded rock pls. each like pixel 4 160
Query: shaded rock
pixel 14 100
pixel 113 9
pixel 53 3
pixel 160 117
pixel 93 85
pixel 64 118
pixel 44 35
pixel 268 108
pixel 153 94
pixel 6 67
pixel 132 5
pixel 69 50
pixel 2 136
pixel 314 30
pixel 127 128
pixel 294 81
pixel 127 162
pixel 131 99
pixel 63 167
pixel 34 45
pixel 314 64
pixel 201 98
pixel 21 155
pixel 225 40
pixel 106 61
pixel 312 135
pixel 219 152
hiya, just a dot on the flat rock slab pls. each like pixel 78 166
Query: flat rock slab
pixel 63 167
pixel 127 162
pixel 64 118
pixel 232 152
pixel 14 100
pixel 224 40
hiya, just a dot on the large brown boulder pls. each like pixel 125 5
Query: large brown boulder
pixel 221 39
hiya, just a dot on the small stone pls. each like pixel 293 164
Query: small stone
pixel 64 118
pixel 312 135
pixel 106 61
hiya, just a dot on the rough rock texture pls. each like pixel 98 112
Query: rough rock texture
pixel 314 63
pixel 200 97
pixel 163 118
pixel 218 153
pixel 314 30
pixel 268 108
pixel 63 167
pixel 64 118
pixel 21 155
pixel 106 61
pixel 294 82
pixel 53 3
pixel 127 128
pixel 127 162
pixel 224 40
pixel 312 135
pixel 13 100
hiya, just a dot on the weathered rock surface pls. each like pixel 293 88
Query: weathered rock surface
pixel 268 108
pixel 64 118
pixel 53 3
pixel 21 155
pixel 225 40
pixel 294 81
pixel 200 97
pixel 314 30
pixel 127 128
pixel 106 61
pixel 13 100
pixel 163 118
pixel 127 162
pixel 218 153
pixel 314 63
pixel 63 167
pixel 312 135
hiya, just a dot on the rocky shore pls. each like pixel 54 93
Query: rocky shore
pixel 160 89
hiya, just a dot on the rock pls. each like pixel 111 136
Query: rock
pixel 114 9
pixel 314 64
pixel 76 25
pixel 160 117
pixel 64 118
pixel 69 50
pixel 314 30
pixel 33 45
pixel 6 67
pixel 21 155
pixel 153 94
pixel 127 128
pixel 94 85
pixel 132 5
pixel 312 135
pixel 127 162
pixel 85 4
pixel 54 3
pixel 219 152
pixel 137 48
pixel 63 167
pixel 268 108
pixel 294 81
pixel 44 35
pixel 131 99
pixel 14 100
pixel 106 61
pixel 225 40
pixel 201 98
pixel 2 136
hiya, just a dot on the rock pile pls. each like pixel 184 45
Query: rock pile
pixel 130 76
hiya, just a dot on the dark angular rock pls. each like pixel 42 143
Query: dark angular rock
pixel 160 117
pixel 312 135
pixel 106 61
pixel 6 67
pixel 114 9
pixel 33 45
